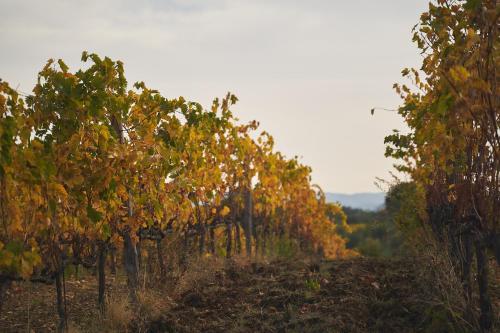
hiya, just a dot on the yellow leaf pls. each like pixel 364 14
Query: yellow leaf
pixel 60 190
pixel 6 258
pixel 104 133
pixel 225 211
pixel 459 73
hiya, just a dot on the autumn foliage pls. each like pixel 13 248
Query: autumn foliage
pixel 453 149
pixel 89 166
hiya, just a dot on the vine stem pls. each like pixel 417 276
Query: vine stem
pixel 65 302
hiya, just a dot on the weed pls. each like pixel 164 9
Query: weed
pixel 313 284
pixel 118 315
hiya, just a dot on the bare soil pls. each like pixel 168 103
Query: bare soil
pixel 355 295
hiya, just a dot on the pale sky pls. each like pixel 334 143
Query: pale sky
pixel 308 71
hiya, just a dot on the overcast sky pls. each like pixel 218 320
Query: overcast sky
pixel 309 71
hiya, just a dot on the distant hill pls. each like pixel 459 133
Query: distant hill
pixel 366 201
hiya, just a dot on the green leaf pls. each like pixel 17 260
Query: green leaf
pixel 106 230
pixel 93 214
pixel 85 56
pixel 14 247
pixel 63 66
pixel 52 206
pixel 472 4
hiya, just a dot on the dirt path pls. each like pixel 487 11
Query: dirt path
pixel 358 295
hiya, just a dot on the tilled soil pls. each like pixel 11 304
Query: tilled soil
pixel 358 295
pixel 355 295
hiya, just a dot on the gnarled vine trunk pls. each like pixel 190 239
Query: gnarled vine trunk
pixel 247 221
pixel 61 309
pixel 202 236
pixel 229 239
pixel 237 237
pixel 161 261
pixel 211 239
pixel 130 264
pixel 101 266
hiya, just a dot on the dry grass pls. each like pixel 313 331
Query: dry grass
pixel 118 316
pixel 122 316
pixel 447 305
pixel 154 303
pixel 73 329
pixel 199 272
